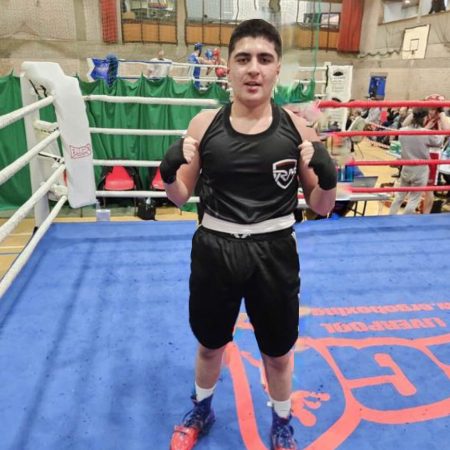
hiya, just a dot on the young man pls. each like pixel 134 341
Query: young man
pixel 250 156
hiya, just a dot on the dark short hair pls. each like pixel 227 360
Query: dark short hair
pixel 256 28
pixel 419 115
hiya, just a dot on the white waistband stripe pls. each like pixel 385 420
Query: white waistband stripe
pixel 267 226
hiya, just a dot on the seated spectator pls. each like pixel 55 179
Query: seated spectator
pixel 373 114
pixel 351 115
pixel 357 124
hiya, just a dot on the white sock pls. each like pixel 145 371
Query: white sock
pixel 201 393
pixel 283 408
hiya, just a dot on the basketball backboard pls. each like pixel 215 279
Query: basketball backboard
pixel 415 42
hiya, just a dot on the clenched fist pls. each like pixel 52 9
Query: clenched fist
pixel 306 151
pixel 182 151
pixel 316 156
pixel 190 148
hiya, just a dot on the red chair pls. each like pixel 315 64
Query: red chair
pixel 118 179
pixel 157 182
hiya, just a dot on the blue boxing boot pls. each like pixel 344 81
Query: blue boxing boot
pixel 196 423
pixel 282 433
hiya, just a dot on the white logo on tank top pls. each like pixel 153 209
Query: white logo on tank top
pixel 284 172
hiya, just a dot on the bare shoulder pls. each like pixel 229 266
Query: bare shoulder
pixel 306 132
pixel 200 123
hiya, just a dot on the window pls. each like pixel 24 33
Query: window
pixel 311 18
pixel 329 20
pixel 147 21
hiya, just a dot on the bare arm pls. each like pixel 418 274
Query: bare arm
pixel 319 200
pixel 182 188
pixel 444 121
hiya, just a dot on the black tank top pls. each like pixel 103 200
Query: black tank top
pixel 249 178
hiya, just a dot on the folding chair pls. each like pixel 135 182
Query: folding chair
pixel 357 125
pixel 157 182
pixel 120 179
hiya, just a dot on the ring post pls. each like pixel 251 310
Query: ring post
pixel 73 125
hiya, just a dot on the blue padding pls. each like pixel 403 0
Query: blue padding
pixel 96 351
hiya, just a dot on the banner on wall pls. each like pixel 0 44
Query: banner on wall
pixel 339 88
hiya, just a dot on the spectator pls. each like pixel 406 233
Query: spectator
pixel 161 67
pixel 357 124
pixel 373 114
pixel 414 147
pixel 437 6
pixel 435 120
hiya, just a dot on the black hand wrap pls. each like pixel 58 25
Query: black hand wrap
pixel 172 161
pixel 323 167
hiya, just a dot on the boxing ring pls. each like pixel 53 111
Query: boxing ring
pixel 97 353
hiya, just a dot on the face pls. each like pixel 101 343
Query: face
pixel 433 113
pixel 161 54
pixel 253 68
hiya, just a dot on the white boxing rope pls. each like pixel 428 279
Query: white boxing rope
pixel 19 163
pixel 140 194
pixel 195 199
pixel 309 81
pixel 22 259
pixel 205 66
pixel 14 116
pixel 311 69
pixel 137 132
pixel 201 79
pixel 125 162
pixel 153 100
pixel 172 64
pixel 22 212
pixel 186 78
pixel 74 128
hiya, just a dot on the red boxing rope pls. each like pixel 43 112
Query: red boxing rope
pixel 384 104
pixel 379 190
pixel 400 162
pixel 392 132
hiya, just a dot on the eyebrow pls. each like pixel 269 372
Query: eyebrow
pixel 247 54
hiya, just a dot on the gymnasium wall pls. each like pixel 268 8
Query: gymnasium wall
pixel 69 31
pixel 381 55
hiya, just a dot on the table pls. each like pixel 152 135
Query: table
pixel 378 197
